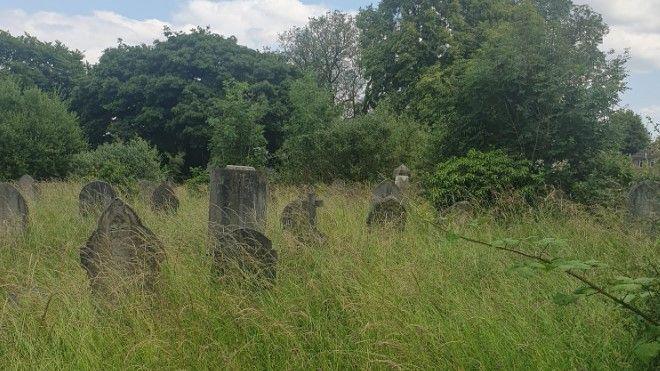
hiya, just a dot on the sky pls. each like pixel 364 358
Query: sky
pixel 93 25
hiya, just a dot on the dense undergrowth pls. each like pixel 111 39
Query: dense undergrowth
pixel 364 299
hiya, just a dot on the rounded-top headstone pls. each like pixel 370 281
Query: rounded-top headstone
pixel 121 253
pixel 247 249
pixel 163 198
pixel 644 200
pixel 388 210
pixel 146 188
pixel 28 185
pixel 95 196
pixel 386 188
pixel 299 217
pixel 402 170
pixel 13 208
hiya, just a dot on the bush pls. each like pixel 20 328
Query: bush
pixel 610 178
pixel 119 163
pixel 479 177
pixel 364 148
pixel 38 135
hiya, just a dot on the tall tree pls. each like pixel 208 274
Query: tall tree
pixel 51 67
pixel 630 131
pixel 328 47
pixel 164 92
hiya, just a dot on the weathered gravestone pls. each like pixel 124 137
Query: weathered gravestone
pixel 95 196
pixel 402 177
pixel 121 254
pixel 385 189
pixel 28 186
pixel 146 188
pixel 387 211
pixel 644 200
pixel 299 217
pixel 163 198
pixel 237 213
pixel 13 208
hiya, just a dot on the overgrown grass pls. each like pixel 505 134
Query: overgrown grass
pixel 365 299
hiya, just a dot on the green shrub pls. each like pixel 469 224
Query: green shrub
pixel 38 135
pixel 608 181
pixel 119 163
pixel 479 177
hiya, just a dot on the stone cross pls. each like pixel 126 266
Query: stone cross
pixel 95 196
pixel 299 217
pixel 13 208
pixel 122 253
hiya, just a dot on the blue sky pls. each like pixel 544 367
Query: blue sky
pixel 93 25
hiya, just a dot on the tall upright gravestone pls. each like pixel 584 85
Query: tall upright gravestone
pixel 644 200
pixel 13 209
pixel 121 254
pixel 95 196
pixel 237 215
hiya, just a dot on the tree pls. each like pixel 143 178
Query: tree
pixel 328 47
pixel 631 134
pixel 52 67
pixel 38 135
pixel 237 137
pixel 164 92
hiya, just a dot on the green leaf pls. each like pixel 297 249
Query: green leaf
pixel 647 351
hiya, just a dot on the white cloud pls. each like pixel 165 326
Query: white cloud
pixel 654 113
pixel 255 23
pixel 633 24
pixel 88 33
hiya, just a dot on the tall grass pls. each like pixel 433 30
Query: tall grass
pixel 364 299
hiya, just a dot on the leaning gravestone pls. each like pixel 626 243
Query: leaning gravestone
pixel 387 211
pixel 122 253
pixel 95 196
pixel 163 198
pixel 13 208
pixel 28 185
pixel 237 213
pixel 644 200
pixel 385 189
pixel 299 217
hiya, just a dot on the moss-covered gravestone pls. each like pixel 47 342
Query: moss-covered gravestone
pixel 299 218
pixel 121 254
pixel 163 198
pixel 13 209
pixel 388 211
pixel 95 196
pixel 644 200
pixel 386 189
pixel 237 214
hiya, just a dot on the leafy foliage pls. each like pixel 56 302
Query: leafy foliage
pixel 479 177
pixel 237 137
pixel 38 135
pixel 165 92
pixel 51 67
pixel 120 163
pixel 630 131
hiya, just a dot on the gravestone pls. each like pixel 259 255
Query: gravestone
pixel 387 211
pixel 299 217
pixel 146 188
pixel 163 198
pixel 644 200
pixel 13 209
pixel 237 197
pixel 95 196
pixel 122 253
pixel 28 186
pixel 402 170
pixel 237 215
pixel 386 189
pixel 246 249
